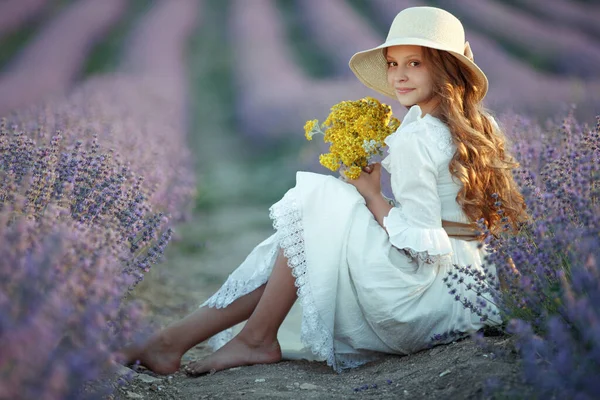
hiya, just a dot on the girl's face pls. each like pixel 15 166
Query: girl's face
pixel 410 76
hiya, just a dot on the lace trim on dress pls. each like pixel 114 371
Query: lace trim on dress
pixel 422 256
pixel 232 290
pixel 287 220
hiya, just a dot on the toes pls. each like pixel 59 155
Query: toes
pixel 189 369
pixel 197 369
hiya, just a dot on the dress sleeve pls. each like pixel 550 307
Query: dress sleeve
pixel 415 224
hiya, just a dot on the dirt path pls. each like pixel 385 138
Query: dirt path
pixel 459 371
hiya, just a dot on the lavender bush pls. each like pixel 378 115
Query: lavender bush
pixel 549 276
pixel 96 187
pixel 556 297
pixel 121 112
pixel 77 233
pixel 60 313
pixel 88 185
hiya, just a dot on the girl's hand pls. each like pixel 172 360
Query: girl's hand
pixel 368 183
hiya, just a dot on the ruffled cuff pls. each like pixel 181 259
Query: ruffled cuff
pixel 427 244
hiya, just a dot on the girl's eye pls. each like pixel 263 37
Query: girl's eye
pixel 414 63
pixel 391 64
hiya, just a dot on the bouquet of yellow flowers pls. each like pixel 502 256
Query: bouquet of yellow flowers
pixel 356 130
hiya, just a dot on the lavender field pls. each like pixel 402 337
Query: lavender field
pixel 142 142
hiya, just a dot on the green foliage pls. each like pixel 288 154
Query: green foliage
pixel 307 53
pixel 365 9
pixel 11 44
pixel 105 55
pixel 231 169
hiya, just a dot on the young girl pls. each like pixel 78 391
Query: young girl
pixel 368 275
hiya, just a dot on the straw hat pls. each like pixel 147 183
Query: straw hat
pixel 420 26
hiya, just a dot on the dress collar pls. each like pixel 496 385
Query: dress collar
pixel 414 116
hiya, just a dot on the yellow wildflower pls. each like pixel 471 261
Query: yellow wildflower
pixel 356 131
pixel 353 172
pixel 310 128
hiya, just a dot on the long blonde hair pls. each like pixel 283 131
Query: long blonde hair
pixel 481 162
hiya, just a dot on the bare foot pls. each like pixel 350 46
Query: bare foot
pixel 158 355
pixel 235 353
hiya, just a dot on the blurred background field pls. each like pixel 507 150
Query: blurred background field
pixel 259 69
pixel 252 72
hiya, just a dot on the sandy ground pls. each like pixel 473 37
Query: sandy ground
pixel 458 370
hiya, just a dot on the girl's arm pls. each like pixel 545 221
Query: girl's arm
pixel 415 225
pixel 368 185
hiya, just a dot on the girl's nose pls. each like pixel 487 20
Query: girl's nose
pixel 399 75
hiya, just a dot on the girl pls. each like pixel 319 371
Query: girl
pixel 368 275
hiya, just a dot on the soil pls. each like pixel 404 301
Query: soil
pixel 459 370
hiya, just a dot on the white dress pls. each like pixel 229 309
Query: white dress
pixel 363 292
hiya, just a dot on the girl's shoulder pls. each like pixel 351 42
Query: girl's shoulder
pixel 423 131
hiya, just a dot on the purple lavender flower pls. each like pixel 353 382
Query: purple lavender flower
pixel 549 276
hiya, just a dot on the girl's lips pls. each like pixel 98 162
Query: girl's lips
pixel 404 91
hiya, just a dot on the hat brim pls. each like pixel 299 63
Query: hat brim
pixel 370 66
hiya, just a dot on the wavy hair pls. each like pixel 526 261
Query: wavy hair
pixel 481 162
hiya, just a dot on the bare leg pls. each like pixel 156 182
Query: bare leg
pixel 163 351
pixel 257 342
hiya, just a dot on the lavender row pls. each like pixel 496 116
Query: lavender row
pixel 60 317
pixel 140 114
pixel 155 55
pixel 557 294
pixel 566 13
pixel 338 29
pixel 88 182
pixel 94 189
pixel 16 13
pixel 386 10
pixel 567 50
pixel 156 50
pixel 274 96
pixel 516 87
pixel 76 234
pixel 50 64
